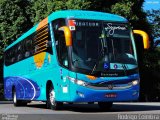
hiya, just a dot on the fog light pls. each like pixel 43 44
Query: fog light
pixel 135 93
pixel 80 94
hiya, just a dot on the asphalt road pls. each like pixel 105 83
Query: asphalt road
pixel 119 111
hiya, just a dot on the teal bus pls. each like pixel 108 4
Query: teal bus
pixel 74 56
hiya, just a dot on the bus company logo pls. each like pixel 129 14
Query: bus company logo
pixel 115 66
pixel 111 28
pixel 110 86
pixel 71 22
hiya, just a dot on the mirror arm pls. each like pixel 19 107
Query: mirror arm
pixel 144 36
pixel 67 34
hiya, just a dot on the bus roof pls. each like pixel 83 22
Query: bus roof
pixel 75 14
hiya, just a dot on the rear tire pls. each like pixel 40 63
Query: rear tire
pixel 17 102
pixel 51 102
pixel 105 105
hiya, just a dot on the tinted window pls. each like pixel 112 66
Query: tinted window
pixel 35 43
pixel 60 42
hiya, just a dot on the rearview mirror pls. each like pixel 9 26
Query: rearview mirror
pixel 67 34
pixel 144 36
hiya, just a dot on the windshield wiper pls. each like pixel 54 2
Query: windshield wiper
pixel 97 62
pixel 102 53
pixel 94 67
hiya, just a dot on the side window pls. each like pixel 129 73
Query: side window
pixel 12 54
pixel 58 23
pixel 28 47
pixel 8 57
pixel 61 47
pixel 20 51
pixel 38 42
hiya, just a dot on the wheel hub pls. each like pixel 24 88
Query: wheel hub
pixel 52 97
pixel 14 98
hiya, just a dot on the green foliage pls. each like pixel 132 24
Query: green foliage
pixel 154 19
pixel 152 59
pixel 151 75
pixel 42 8
pixel 14 21
pixel 132 10
pixel 78 4
pixel 102 5
pixel 124 8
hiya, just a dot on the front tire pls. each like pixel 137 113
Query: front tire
pixel 51 102
pixel 105 105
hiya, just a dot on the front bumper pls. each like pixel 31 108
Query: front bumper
pixel 84 94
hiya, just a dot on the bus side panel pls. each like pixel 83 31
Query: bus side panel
pixel 8 83
pixel 25 88
pixel 29 80
pixel 30 76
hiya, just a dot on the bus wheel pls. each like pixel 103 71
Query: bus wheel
pixel 51 102
pixel 17 102
pixel 105 105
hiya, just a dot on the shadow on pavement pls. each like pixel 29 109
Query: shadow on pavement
pixel 91 108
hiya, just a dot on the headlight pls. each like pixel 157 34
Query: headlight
pixel 135 82
pixel 78 82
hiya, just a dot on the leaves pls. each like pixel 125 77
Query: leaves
pixel 13 21
pixel 154 19
pixel 124 9
pixel 42 8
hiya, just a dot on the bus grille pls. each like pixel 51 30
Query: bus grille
pixel 111 85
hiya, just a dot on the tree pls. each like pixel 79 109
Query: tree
pixel 13 18
pixel 154 20
pixel 43 8
pixel 102 5
pixel 132 10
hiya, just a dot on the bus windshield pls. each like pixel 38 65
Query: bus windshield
pixel 102 46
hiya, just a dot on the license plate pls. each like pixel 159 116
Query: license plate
pixel 111 95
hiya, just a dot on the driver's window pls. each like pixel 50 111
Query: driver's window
pixel 60 42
